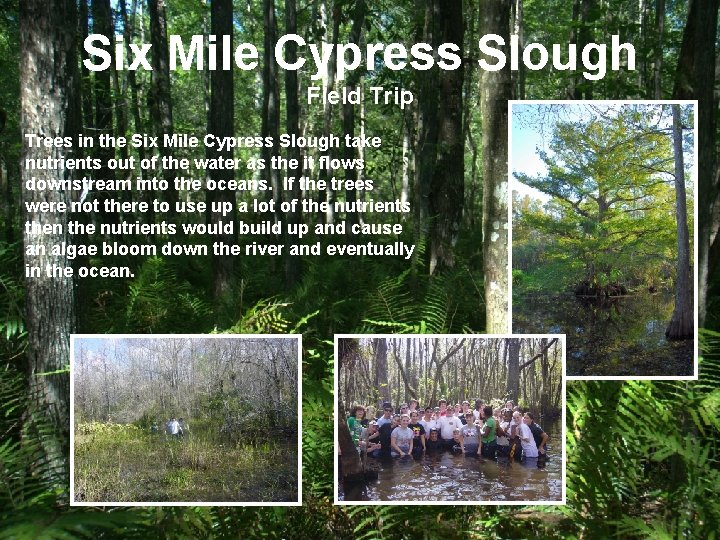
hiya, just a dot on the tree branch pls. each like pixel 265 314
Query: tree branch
pixel 538 355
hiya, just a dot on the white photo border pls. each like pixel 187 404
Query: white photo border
pixel 74 337
pixel 336 446
pixel 696 195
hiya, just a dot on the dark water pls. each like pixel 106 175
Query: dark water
pixel 621 336
pixel 449 477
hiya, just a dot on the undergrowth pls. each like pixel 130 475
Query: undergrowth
pixel 123 463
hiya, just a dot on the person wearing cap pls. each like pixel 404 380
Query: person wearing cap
pixel 386 418
pixel 370 438
pixel 404 409
pixel 418 434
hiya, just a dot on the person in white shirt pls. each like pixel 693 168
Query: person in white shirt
pixel 503 441
pixel 447 425
pixel 476 410
pixel 427 421
pixel 386 418
pixel 173 427
pixel 526 437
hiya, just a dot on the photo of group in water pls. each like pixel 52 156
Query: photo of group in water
pixel 423 419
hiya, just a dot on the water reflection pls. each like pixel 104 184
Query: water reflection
pixel 449 477
pixel 617 336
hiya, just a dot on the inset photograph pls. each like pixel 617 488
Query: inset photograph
pixel 425 419
pixel 185 420
pixel 604 229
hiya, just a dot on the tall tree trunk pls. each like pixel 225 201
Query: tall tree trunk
pixel 129 33
pixel 427 125
pixel 330 12
pixel 681 325
pixel 513 364
pixel 221 122
pixel 495 90
pixel 86 74
pixel 658 47
pixel 271 105
pixel 160 100
pixel 103 125
pixel 121 106
pixel 545 383
pixel 447 187
pixel 585 36
pixel 694 79
pixel 518 26
pixel 381 369
pixel 49 106
pixel 293 268
pixel 404 372
pixel 348 113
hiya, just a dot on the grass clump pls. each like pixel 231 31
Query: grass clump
pixel 123 463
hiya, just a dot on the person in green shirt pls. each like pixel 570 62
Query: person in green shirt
pixel 355 422
pixel 489 435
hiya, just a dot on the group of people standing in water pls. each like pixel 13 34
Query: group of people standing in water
pixel 413 431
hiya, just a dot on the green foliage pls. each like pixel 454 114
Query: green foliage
pixel 160 300
pixel 33 493
pixel 612 205
pixel 318 429
pixel 12 294
pixel 265 317
pixel 121 462
pixel 641 448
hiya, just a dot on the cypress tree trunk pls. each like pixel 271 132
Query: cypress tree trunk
pixel 49 107
pixel 513 365
pixel 221 122
pixel 103 124
pixel 681 325
pixel 293 268
pixel 348 113
pixel 694 79
pixel 495 90
pixel 161 104
pixel 381 368
pixel 271 104
pixel 427 126
pixel 448 180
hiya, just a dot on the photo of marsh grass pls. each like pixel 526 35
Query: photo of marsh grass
pixel 185 420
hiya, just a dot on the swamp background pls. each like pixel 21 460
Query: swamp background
pixel 650 472
pixel 603 233
pixel 528 371
pixel 238 398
